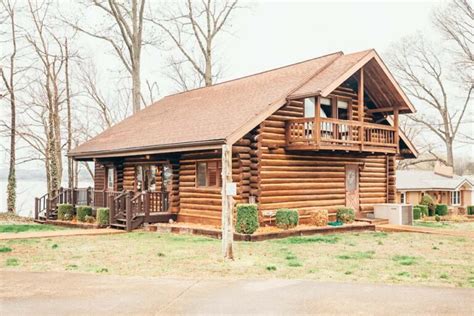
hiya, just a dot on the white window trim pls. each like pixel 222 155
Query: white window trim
pixel 458 199
pixel 404 199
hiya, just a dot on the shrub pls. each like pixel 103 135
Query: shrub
pixel 441 209
pixel 423 209
pixel 319 217
pixel 65 211
pixel 430 203
pixel 416 213
pixel 82 212
pixel 437 218
pixel 103 216
pixel 89 219
pixel 247 218
pixel 470 210
pixel 286 218
pixel 345 215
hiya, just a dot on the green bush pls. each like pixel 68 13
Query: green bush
pixel 470 210
pixel 103 216
pixel 65 211
pixel 82 212
pixel 430 203
pixel 424 209
pixel 441 209
pixel 247 218
pixel 286 218
pixel 416 212
pixel 89 219
pixel 345 215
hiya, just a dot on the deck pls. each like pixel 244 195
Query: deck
pixel 343 135
pixel 128 210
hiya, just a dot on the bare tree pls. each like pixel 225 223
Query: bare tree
pixel 193 29
pixel 424 73
pixel 455 21
pixel 10 85
pixel 125 35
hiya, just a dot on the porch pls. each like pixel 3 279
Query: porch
pixel 128 210
pixel 334 134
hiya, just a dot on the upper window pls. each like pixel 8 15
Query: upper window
pixel 208 174
pixel 326 107
pixel 309 107
pixel 342 110
pixel 110 178
pixel 455 197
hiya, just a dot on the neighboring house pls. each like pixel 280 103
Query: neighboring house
pixel 322 134
pixel 454 191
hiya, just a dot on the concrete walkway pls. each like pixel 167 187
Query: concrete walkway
pixel 60 233
pixel 60 293
pixel 424 230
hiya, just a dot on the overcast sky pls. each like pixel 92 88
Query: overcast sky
pixel 268 34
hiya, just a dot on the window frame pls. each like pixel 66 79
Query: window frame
pixel 403 197
pixel 456 195
pixel 111 171
pixel 218 179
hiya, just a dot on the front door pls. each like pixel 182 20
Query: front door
pixel 352 187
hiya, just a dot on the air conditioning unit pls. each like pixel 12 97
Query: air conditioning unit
pixel 397 214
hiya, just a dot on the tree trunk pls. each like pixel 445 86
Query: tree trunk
pixel 11 187
pixel 70 167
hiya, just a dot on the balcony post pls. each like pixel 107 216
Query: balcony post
pixel 395 125
pixel 317 122
pixel 360 103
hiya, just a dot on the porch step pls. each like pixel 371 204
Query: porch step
pixel 118 226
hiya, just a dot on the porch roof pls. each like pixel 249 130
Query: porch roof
pixel 205 118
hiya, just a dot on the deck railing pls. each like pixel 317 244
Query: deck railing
pixel 327 133
pixel 123 205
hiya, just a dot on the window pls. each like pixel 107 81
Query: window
pixel 146 177
pixel 208 174
pixel 326 107
pixel 403 198
pixel 455 197
pixel 110 178
pixel 309 107
pixel 342 110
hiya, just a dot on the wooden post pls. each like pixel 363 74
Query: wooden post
pixel 89 196
pixel 395 125
pixel 111 208
pixel 227 203
pixel 317 122
pixel 128 211
pixel 146 206
pixel 36 208
pixel 361 109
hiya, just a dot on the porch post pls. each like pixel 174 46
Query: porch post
pixel 395 125
pixel 317 121
pixel 227 203
pixel 360 103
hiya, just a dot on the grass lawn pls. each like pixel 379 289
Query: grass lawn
pixel 401 258
pixel 460 226
pixel 31 227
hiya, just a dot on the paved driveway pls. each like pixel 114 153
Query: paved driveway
pixel 25 293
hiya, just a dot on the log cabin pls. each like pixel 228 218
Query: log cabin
pixel 319 134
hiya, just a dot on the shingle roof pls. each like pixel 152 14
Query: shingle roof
pixel 427 180
pixel 215 114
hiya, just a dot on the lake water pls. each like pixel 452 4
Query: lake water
pixel 27 190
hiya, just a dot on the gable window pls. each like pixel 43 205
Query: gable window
pixel 403 197
pixel 309 107
pixel 110 178
pixel 456 197
pixel 326 107
pixel 342 109
pixel 208 174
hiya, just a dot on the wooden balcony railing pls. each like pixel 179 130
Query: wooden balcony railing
pixel 333 134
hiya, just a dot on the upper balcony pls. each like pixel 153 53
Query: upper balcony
pixel 345 135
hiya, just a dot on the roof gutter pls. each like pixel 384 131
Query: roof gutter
pixel 146 150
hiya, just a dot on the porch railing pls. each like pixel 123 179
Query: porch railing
pixel 123 205
pixel 336 134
